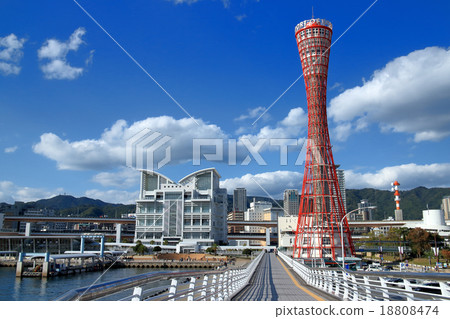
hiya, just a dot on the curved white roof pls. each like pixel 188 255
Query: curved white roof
pixel 156 173
pixel 199 172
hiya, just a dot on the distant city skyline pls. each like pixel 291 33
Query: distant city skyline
pixel 71 97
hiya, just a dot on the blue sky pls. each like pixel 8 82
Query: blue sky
pixel 70 97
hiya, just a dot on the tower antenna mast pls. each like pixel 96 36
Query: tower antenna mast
pixel 318 234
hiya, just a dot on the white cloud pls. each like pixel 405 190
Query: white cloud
pixel 9 192
pixel 123 178
pixel 56 52
pixel 241 17
pixel 292 126
pixel 183 1
pixel 9 68
pixel 11 149
pixel 11 51
pixel 253 114
pixel 60 70
pixel 410 94
pixel 113 196
pixel 226 3
pixel 90 59
pixel 409 176
pixel 110 149
pixel 336 85
pixel 342 131
pixel 274 183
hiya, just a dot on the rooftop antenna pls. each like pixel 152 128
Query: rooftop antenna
pixel 313 12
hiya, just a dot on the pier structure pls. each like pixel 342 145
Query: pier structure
pixel 47 265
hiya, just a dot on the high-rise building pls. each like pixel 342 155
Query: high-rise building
pixel 364 213
pixel 256 213
pixel 446 207
pixel 190 212
pixel 341 181
pixel 239 207
pixel 235 216
pixel 321 208
pixel 240 200
pixel 291 202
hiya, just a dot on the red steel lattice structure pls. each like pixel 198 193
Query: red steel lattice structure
pixel 318 233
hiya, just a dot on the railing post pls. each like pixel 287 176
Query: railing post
pixel 137 294
pixel 226 283
pixel 324 280
pixel 330 281
pixel 173 289
pixel 355 288
pixel 219 288
pixel 345 279
pixel 191 289
pixel 205 283
pixel 408 287
pixel 385 291
pixel 231 282
pixel 213 288
pixel 338 282
pixel 444 289
pixel 368 290
pixel 241 282
pixel 315 278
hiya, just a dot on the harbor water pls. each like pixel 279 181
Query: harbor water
pixel 44 289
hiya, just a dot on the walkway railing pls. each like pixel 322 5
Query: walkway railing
pixel 192 285
pixel 372 286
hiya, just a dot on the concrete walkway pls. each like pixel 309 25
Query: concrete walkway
pixel 272 280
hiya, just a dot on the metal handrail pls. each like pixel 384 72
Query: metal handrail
pixel 224 286
pixel 217 289
pixel 111 287
pixel 370 286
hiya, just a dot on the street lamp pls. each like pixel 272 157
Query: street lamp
pixel 342 230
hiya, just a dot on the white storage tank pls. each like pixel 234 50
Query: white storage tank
pixel 433 217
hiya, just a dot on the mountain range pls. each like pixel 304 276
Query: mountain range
pixel 412 202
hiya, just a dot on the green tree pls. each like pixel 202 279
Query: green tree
pixel 446 254
pixel 247 251
pixel 92 212
pixel 152 242
pixel 166 242
pixel 418 239
pixel 212 249
pixel 394 235
pixel 157 249
pixel 140 248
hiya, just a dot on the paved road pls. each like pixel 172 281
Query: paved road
pixel 273 281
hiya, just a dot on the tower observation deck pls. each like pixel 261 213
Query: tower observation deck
pixel 321 206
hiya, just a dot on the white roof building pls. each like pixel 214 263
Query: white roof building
pixel 192 212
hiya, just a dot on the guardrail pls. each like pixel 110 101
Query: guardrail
pixel 192 285
pixel 373 286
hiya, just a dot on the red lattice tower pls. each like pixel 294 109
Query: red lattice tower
pixel 318 233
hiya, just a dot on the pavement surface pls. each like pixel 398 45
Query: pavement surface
pixel 273 280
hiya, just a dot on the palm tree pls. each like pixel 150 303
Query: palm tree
pixel 140 248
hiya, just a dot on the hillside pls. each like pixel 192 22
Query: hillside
pixel 67 201
pixel 65 205
pixel 412 202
